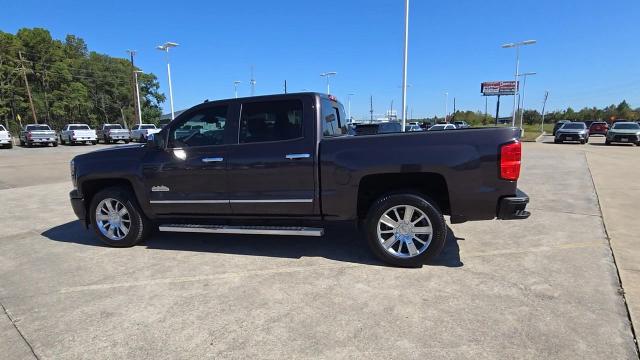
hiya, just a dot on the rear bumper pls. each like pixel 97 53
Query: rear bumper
pixel 5 141
pixel 78 205
pixel 513 207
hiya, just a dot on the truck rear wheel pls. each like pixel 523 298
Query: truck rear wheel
pixel 117 219
pixel 405 229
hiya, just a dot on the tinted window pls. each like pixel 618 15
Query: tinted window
pixel 629 126
pixel 2 128
pixel 114 126
pixel 147 127
pixel 79 127
pixel 271 121
pixel 332 119
pixel 205 127
pixel 38 127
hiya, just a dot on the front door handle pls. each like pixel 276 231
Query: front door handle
pixel 210 160
pixel 297 156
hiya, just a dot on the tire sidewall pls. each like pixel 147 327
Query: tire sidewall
pixel 419 201
pixel 138 224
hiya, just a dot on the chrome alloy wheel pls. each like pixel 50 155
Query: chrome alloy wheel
pixel 405 231
pixel 113 219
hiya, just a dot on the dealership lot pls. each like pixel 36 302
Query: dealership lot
pixel 546 287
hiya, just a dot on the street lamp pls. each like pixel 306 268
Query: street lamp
pixel 135 74
pixel 524 85
pixel 349 106
pixel 235 87
pixel 404 64
pixel 328 75
pixel 446 106
pixel 517 46
pixel 165 47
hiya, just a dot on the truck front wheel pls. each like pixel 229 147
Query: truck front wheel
pixel 117 219
pixel 405 229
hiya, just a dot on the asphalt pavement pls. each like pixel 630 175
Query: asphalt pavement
pixel 543 288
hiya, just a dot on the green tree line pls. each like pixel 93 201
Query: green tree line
pixel 69 83
pixel 609 113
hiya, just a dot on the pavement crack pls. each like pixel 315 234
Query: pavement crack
pixel 18 330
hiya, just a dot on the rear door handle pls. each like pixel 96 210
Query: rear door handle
pixel 297 156
pixel 214 159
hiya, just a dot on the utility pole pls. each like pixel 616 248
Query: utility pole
pixel 285 86
pixel 498 109
pixel 453 117
pixel 235 87
pixel 134 86
pixel 26 83
pixel 544 104
pixel 486 103
pixel 371 108
pixel 404 64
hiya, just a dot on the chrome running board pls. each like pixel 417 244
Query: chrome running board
pixel 245 230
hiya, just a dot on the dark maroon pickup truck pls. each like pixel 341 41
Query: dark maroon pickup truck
pixel 284 165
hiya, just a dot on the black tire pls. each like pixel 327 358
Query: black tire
pixel 141 227
pixel 126 141
pixel 22 143
pixel 94 142
pixel 29 144
pixel 141 140
pixel 607 142
pixel 54 144
pixel 427 206
pixel 10 145
pixel 555 141
pixel 62 141
pixel 582 142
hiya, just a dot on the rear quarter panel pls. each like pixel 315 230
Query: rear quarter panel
pixel 466 158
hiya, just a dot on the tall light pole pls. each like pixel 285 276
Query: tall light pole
pixel 328 75
pixel 404 64
pixel 544 105
pixel 165 47
pixel 132 54
pixel 446 106
pixel 517 46
pixel 524 85
pixel 235 87
pixel 349 106
pixel 135 74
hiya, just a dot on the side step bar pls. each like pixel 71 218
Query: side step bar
pixel 245 230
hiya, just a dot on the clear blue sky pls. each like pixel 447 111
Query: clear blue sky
pixel 587 52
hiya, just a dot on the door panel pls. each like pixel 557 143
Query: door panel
pixel 190 175
pixel 272 170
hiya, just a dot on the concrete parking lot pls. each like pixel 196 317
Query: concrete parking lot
pixel 548 287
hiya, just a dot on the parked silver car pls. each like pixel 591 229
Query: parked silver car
pixel 112 133
pixel 78 133
pixel 38 134
pixel 572 131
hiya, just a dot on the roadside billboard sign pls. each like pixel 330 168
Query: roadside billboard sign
pixel 495 88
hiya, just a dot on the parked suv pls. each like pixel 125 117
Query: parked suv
pixel 5 138
pixel 598 128
pixel 558 125
pixel 572 131
pixel 78 133
pixel 624 132
pixel 38 134
pixel 283 165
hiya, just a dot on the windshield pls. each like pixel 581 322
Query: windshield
pixel 626 126
pixel 38 127
pixel 574 126
pixel 2 128
pixel 147 127
pixel 79 127
pixel 115 126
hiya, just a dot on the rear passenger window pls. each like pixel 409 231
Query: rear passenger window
pixel 271 121
pixel 332 119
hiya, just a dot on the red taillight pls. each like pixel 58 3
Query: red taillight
pixel 510 160
pixel 29 135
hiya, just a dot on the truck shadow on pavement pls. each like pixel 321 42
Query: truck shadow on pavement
pixel 340 243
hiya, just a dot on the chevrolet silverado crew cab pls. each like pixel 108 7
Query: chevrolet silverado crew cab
pixel 283 165
pixel 112 133
pixel 5 138
pixel 38 134
pixel 78 133
pixel 142 131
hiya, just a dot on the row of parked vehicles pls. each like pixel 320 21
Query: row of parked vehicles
pixel 387 127
pixel 42 134
pixel 625 132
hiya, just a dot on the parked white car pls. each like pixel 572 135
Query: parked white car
pixel 78 133
pixel 141 132
pixel 38 134
pixel 5 138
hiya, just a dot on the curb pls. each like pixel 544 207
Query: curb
pixel 539 138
